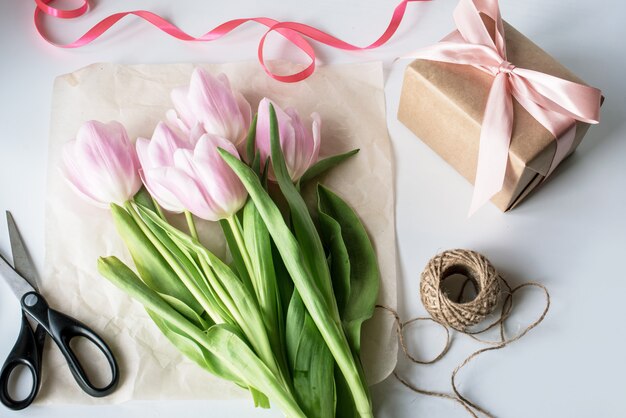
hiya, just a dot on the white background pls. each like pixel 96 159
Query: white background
pixel 571 236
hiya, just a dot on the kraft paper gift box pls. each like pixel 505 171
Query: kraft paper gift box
pixel 443 104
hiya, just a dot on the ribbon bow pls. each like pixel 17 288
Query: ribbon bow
pixel 552 101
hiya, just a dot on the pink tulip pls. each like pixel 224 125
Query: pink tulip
pixel 157 157
pixel 101 164
pixel 300 145
pixel 209 105
pixel 181 176
pixel 214 192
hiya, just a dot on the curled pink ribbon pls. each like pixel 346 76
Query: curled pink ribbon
pixel 293 31
pixel 555 103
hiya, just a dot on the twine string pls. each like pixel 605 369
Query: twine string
pixel 461 316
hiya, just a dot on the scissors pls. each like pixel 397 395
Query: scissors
pixel 61 328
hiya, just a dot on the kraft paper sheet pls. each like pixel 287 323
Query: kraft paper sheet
pixel 350 100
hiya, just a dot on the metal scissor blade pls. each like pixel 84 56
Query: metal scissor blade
pixel 17 283
pixel 22 263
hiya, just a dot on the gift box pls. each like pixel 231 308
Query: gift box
pixel 444 105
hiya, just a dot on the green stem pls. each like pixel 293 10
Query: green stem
pixel 235 226
pixel 257 335
pixel 162 249
pixel 228 291
pixel 266 381
pixel 192 225
pixel 278 358
pixel 326 317
pixel 220 292
pixel 158 208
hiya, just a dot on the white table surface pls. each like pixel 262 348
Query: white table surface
pixel 571 236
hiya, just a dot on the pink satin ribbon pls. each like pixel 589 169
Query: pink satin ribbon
pixel 556 103
pixel 293 31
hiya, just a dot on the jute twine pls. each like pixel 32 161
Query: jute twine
pixel 478 271
pixel 454 313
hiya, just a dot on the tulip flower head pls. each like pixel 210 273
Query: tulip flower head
pixel 300 145
pixel 101 164
pixel 157 159
pixel 209 105
pixel 183 175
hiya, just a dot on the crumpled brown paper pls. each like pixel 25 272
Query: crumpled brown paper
pixel 350 100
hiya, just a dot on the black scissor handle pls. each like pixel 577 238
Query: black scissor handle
pixel 26 352
pixel 62 329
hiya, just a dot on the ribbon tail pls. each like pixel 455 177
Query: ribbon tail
pixel 564 145
pixel 495 138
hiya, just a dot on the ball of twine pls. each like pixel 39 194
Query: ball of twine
pixel 456 314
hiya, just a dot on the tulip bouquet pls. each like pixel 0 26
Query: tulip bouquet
pixel 282 316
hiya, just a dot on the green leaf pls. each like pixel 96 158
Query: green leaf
pixel 315 302
pixel 201 356
pixel 205 359
pixel 189 313
pixel 259 246
pixel 345 407
pixel 247 313
pixel 283 282
pixel 194 351
pixel 252 156
pixel 265 173
pixel 363 266
pixel 231 348
pixel 144 198
pixel 236 299
pixel 250 141
pixel 304 228
pixel 312 364
pixel 340 272
pixel 181 262
pixel 338 259
pixel 256 164
pixel 235 253
pixel 229 290
pixel 326 164
pixel 124 278
pixel 154 270
pixel 222 341
pixel 259 399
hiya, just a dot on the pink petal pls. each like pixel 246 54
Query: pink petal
pixel 187 190
pixel 75 178
pixel 262 139
pixel 163 145
pixel 141 145
pixel 160 188
pixel 316 130
pixel 175 122
pixel 199 202
pixel 195 133
pixel 223 78
pixel 183 112
pixel 216 176
pixel 214 105
pixel 302 147
pixel 246 117
pixel 106 161
pixel 285 131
